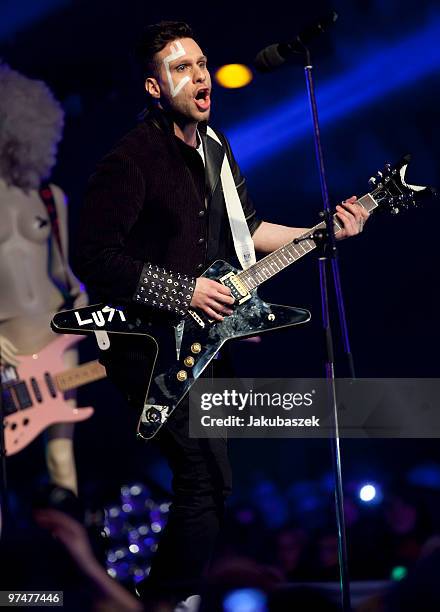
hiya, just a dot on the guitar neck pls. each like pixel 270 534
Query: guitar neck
pixel 80 375
pixel 275 262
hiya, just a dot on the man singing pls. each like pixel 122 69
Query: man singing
pixel 155 205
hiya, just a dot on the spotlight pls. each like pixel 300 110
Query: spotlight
pixel 245 600
pixel 234 76
pixel 367 493
pixel 399 572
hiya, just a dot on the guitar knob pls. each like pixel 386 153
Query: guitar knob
pixel 182 375
pixel 189 361
pixel 196 347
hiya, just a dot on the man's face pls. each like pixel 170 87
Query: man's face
pixel 183 83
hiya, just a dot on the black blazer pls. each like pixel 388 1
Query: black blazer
pixel 145 203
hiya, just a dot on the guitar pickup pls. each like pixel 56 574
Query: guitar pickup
pixel 238 289
pixel 23 396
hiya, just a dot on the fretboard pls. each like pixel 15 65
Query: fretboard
pixel 80 375
pixel 286 255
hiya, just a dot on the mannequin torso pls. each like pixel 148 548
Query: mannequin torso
pixel 29 296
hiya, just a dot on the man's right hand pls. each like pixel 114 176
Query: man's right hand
pixel 213 298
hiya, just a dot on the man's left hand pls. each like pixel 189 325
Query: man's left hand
pixel 352 216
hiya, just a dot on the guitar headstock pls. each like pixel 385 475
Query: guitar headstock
pixel 393 193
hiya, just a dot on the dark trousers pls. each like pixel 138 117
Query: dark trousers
pixel 201 484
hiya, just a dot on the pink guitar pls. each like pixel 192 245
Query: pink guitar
pixel 33 396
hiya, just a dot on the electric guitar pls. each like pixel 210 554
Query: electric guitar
pixel 33 394
pixel 180 352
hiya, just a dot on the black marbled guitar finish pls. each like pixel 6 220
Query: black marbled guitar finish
pixel 173 375
pixel 177 360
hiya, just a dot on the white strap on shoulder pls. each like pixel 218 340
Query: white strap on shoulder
pixel 243 243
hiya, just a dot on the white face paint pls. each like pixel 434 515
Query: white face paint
pixel 177 51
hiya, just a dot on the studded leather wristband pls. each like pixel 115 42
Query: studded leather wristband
pixel 168 291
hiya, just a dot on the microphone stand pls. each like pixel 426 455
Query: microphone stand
pixel 329 259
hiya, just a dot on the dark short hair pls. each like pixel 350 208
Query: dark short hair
pixel 154 38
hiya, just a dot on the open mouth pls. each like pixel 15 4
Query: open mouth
pixel 202 99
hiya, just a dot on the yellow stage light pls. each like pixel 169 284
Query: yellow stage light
pixel 233 76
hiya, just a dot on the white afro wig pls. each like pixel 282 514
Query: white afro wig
pixel 31 125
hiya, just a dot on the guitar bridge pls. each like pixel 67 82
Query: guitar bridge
pixel 238 289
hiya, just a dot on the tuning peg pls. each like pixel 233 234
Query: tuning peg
pixel 395 210
pixel 385 170
pixel 372 181
pixel 380 174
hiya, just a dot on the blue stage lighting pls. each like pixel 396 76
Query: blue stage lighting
pixel 388 68
pixel 19 15
pixel 245 600
pixel 425 475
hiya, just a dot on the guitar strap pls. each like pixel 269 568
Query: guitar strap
pixel 46 194
pixel 243 243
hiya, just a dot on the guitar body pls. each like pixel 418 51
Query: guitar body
pixel 175 366
pixel 36 402
pixel 179 353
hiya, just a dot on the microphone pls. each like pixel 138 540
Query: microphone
pixel 277 54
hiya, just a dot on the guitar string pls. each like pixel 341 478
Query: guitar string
pixel 273 263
